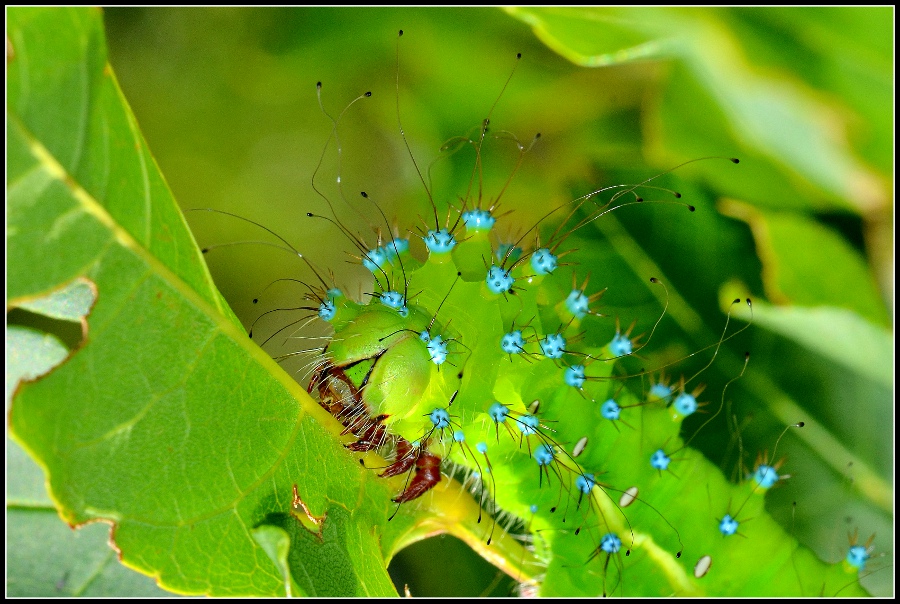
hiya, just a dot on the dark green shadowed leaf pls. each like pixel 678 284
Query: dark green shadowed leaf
pixel 771 87
pixel 807 263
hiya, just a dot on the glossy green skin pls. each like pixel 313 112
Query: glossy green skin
pixel 691 496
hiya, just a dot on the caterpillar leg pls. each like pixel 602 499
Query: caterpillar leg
pixel 427 475
pixel 372 437
pixel 405 459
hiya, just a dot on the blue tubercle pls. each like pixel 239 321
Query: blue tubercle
pixel 543 455
pixel 577 303
pixel 611 410
pixel 574 376
pixel 661 391
pixel 458 436
pixel 585 483
pixel 439 242
pixel 620 345
pixel 512 342
pixel 375 259
pixel 857 556
pixel 533 508
pixel 327 310
pixel 478 220
pixel 528 424
pixel 728 525
pixel 498 412
pixel 437 350
pixel 685 404
pixel 395 300
pixel 543 261
pixel 394 248
pixel 765 476
pixel 553 346
pixel 499 280
pixel 659 460
pixel 482 448
pixel 610 543
pixel 440 418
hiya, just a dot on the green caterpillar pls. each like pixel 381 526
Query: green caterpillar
pixel 470 362
pixel 192 459
pixel 386 374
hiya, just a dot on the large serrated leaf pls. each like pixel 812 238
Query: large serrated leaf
pixel 168 423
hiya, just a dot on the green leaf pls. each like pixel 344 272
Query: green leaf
pixel 573 33
pixel 46 558
pixel 719 102
pixel 72 303
pixel 52 560
pixel 853 363
pixel 277 544
pixel 793 250
pixel 853 342
pixel 30 354
pixel 847 52
pixel 168 423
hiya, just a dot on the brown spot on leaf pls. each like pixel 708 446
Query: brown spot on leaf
pixel 302 513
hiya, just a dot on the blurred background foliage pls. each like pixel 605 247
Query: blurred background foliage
pixel 227 101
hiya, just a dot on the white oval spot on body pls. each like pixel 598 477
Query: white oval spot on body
pixel 579 446
pixel 534 406
pixel 702 566
pixel 628 497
